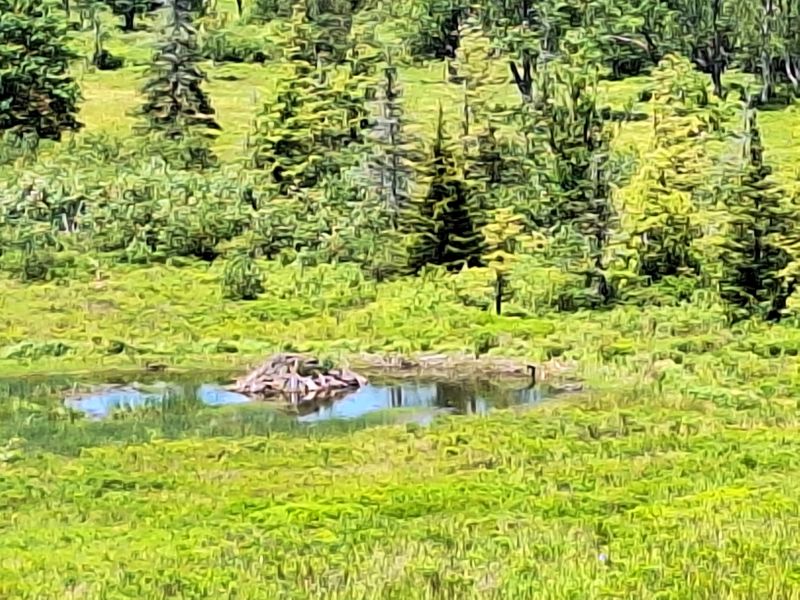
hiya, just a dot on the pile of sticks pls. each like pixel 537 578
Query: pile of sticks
pixel 298 377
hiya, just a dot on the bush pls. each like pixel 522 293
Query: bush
pixel 112 200
pixel 14 147
pixel 475 287
pixel 239 45
pixel 267 10
pixel 241 279
pixel 36 265
pixel 540 288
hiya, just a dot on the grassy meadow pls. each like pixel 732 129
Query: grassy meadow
pixel 671 475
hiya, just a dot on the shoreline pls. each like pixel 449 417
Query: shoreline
pixel 456 365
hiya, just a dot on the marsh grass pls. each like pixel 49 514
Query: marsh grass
pixel 64 432
pixel 673 476
pixel 32 410
pixel 641 494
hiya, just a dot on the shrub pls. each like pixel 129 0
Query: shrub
pixel 266 10
pixel 239 45
pixel 241 278
pixel 36 265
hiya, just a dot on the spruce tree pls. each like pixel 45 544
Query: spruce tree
pixel 289 129
pixel 474 72
pixel 504 237
pixel 759 224
pixel 666 205
pixel 176 108
pixel 568 146
pixel 473 66
pixel 333 20
pixel 433 26
pixel 392 157
pixel 661 203
pixel 318 114
pixel 442 223
pixel 37 93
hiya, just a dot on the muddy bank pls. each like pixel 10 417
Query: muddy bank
pixel 393 366
pixel 464 365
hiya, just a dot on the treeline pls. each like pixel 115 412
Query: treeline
pixel 334 171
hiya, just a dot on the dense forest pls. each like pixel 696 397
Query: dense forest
pixel 527 189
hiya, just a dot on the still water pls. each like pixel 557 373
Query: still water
pixel 99 401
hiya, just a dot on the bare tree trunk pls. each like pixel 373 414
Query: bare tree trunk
pixel 129 17
pixel 766 60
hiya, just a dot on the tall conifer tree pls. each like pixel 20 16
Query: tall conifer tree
pixel 442 222
pixel 754 252
pixel 176 107
pixel 37 93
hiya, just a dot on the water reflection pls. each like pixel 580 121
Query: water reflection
pixel 429 397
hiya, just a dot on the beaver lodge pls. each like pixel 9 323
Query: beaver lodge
pixel 298 378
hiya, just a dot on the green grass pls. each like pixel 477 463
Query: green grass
pixel 686 499
pixel 178 315
pixel 679 463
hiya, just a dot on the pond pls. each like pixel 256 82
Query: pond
pixel 69 414
pixel 127 394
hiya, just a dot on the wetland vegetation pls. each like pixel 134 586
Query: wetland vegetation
pixel 609 186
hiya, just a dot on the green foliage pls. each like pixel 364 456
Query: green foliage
pixel 237 45
pixel 176 108
pixel 567 145
pixel 128 9
pixel 441 224
pixel 342 175
pixel 431 27
pixel 504 237
pixel 393 153
pixel 672 390
pixel 760 223
pixel 37 93
pixel 267 10
pixel 317 116
pixel 663 205
pixel 241 278
pixel 36 350
pixel 110 258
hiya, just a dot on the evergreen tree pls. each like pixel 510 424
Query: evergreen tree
pixel 567 145
pixel 268 10
pixel 357 83
pixel 37 94
pixel 759 224
pixel 663 205
pixel 504 236
pixel 333 20
pixel 318 114
pixel 392 156
pixel 442 223
pixel 433 26
pixel 288 128
pixel 176 108
pixel 474 72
